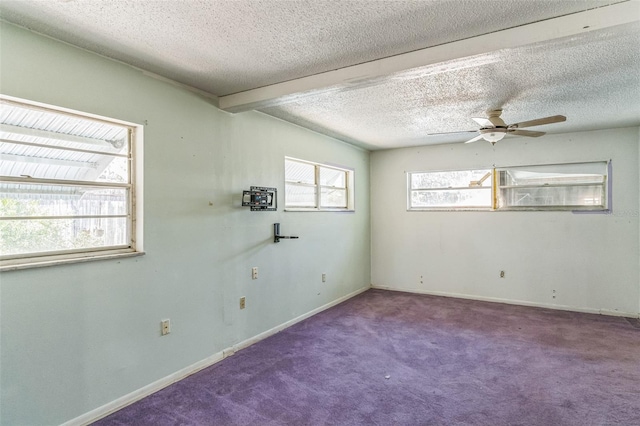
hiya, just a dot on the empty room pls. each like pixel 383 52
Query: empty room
pixel 319 212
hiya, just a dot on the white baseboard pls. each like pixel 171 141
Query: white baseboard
pixel 274 330
pixel 151 388
pixel 513 302
pixel 130 398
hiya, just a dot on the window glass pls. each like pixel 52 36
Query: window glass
pixel 295 171
pixel 333 197
pixel 29 236
pixel 300 196
pixel 458 198
pixel 453 179
pixel 333 177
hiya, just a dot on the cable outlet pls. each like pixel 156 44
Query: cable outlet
pixel 501 274
pixel 165 327
pixel 243 301
pixel 254 273
pixel 324 278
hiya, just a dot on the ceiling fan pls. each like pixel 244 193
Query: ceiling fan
pixel 494 128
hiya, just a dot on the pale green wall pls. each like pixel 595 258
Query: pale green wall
pixel 79 336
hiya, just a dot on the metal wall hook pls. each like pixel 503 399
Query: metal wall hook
pixel 277 236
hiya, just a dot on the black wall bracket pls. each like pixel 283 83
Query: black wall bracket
pixel 261 198
pixel 277 236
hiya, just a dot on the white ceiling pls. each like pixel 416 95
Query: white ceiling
pixel 226 47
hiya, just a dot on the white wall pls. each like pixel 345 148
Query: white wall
pixel 78 336
pixel 590 260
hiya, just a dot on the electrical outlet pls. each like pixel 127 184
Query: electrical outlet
pixel 254 273
pixel 501 274
pixel 243 301
pixel 324 278
pixel 165 327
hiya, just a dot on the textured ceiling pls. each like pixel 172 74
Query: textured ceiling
pixel 224 47
pixel 593 79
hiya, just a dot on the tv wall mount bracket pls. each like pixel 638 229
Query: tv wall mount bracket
pixel 260 199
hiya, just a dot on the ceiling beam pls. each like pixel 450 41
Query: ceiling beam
pixel 353 76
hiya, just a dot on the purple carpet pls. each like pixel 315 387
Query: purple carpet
pixel 389 358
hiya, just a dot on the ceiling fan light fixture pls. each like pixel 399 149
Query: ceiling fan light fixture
pixel 493 137
pixel 494 134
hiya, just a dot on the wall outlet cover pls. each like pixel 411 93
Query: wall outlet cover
pixel 165 327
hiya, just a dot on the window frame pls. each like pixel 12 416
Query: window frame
pixel 410 190
pixel 134 204
pixel 496 190
pixel 349 180
pixel 603 207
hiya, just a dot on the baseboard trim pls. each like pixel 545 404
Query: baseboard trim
pixel 277 329
pixel 130 398
pixel 143 392
pixel 513 302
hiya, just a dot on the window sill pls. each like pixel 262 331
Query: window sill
pixel 40 262
pixel 293 209
pixel 517 209
pixel 451 209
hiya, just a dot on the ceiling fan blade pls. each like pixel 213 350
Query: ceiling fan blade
pixel 477 138
pixel 451 133
pixel 484 122
pixel 526 133
pixel 540 121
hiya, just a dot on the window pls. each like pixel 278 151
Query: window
pixel 571 186
pixel 579 186
pixel 462 189
pixel 67 187
pixel 312 187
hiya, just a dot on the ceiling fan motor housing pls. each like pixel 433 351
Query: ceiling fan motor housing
pixel 494 118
